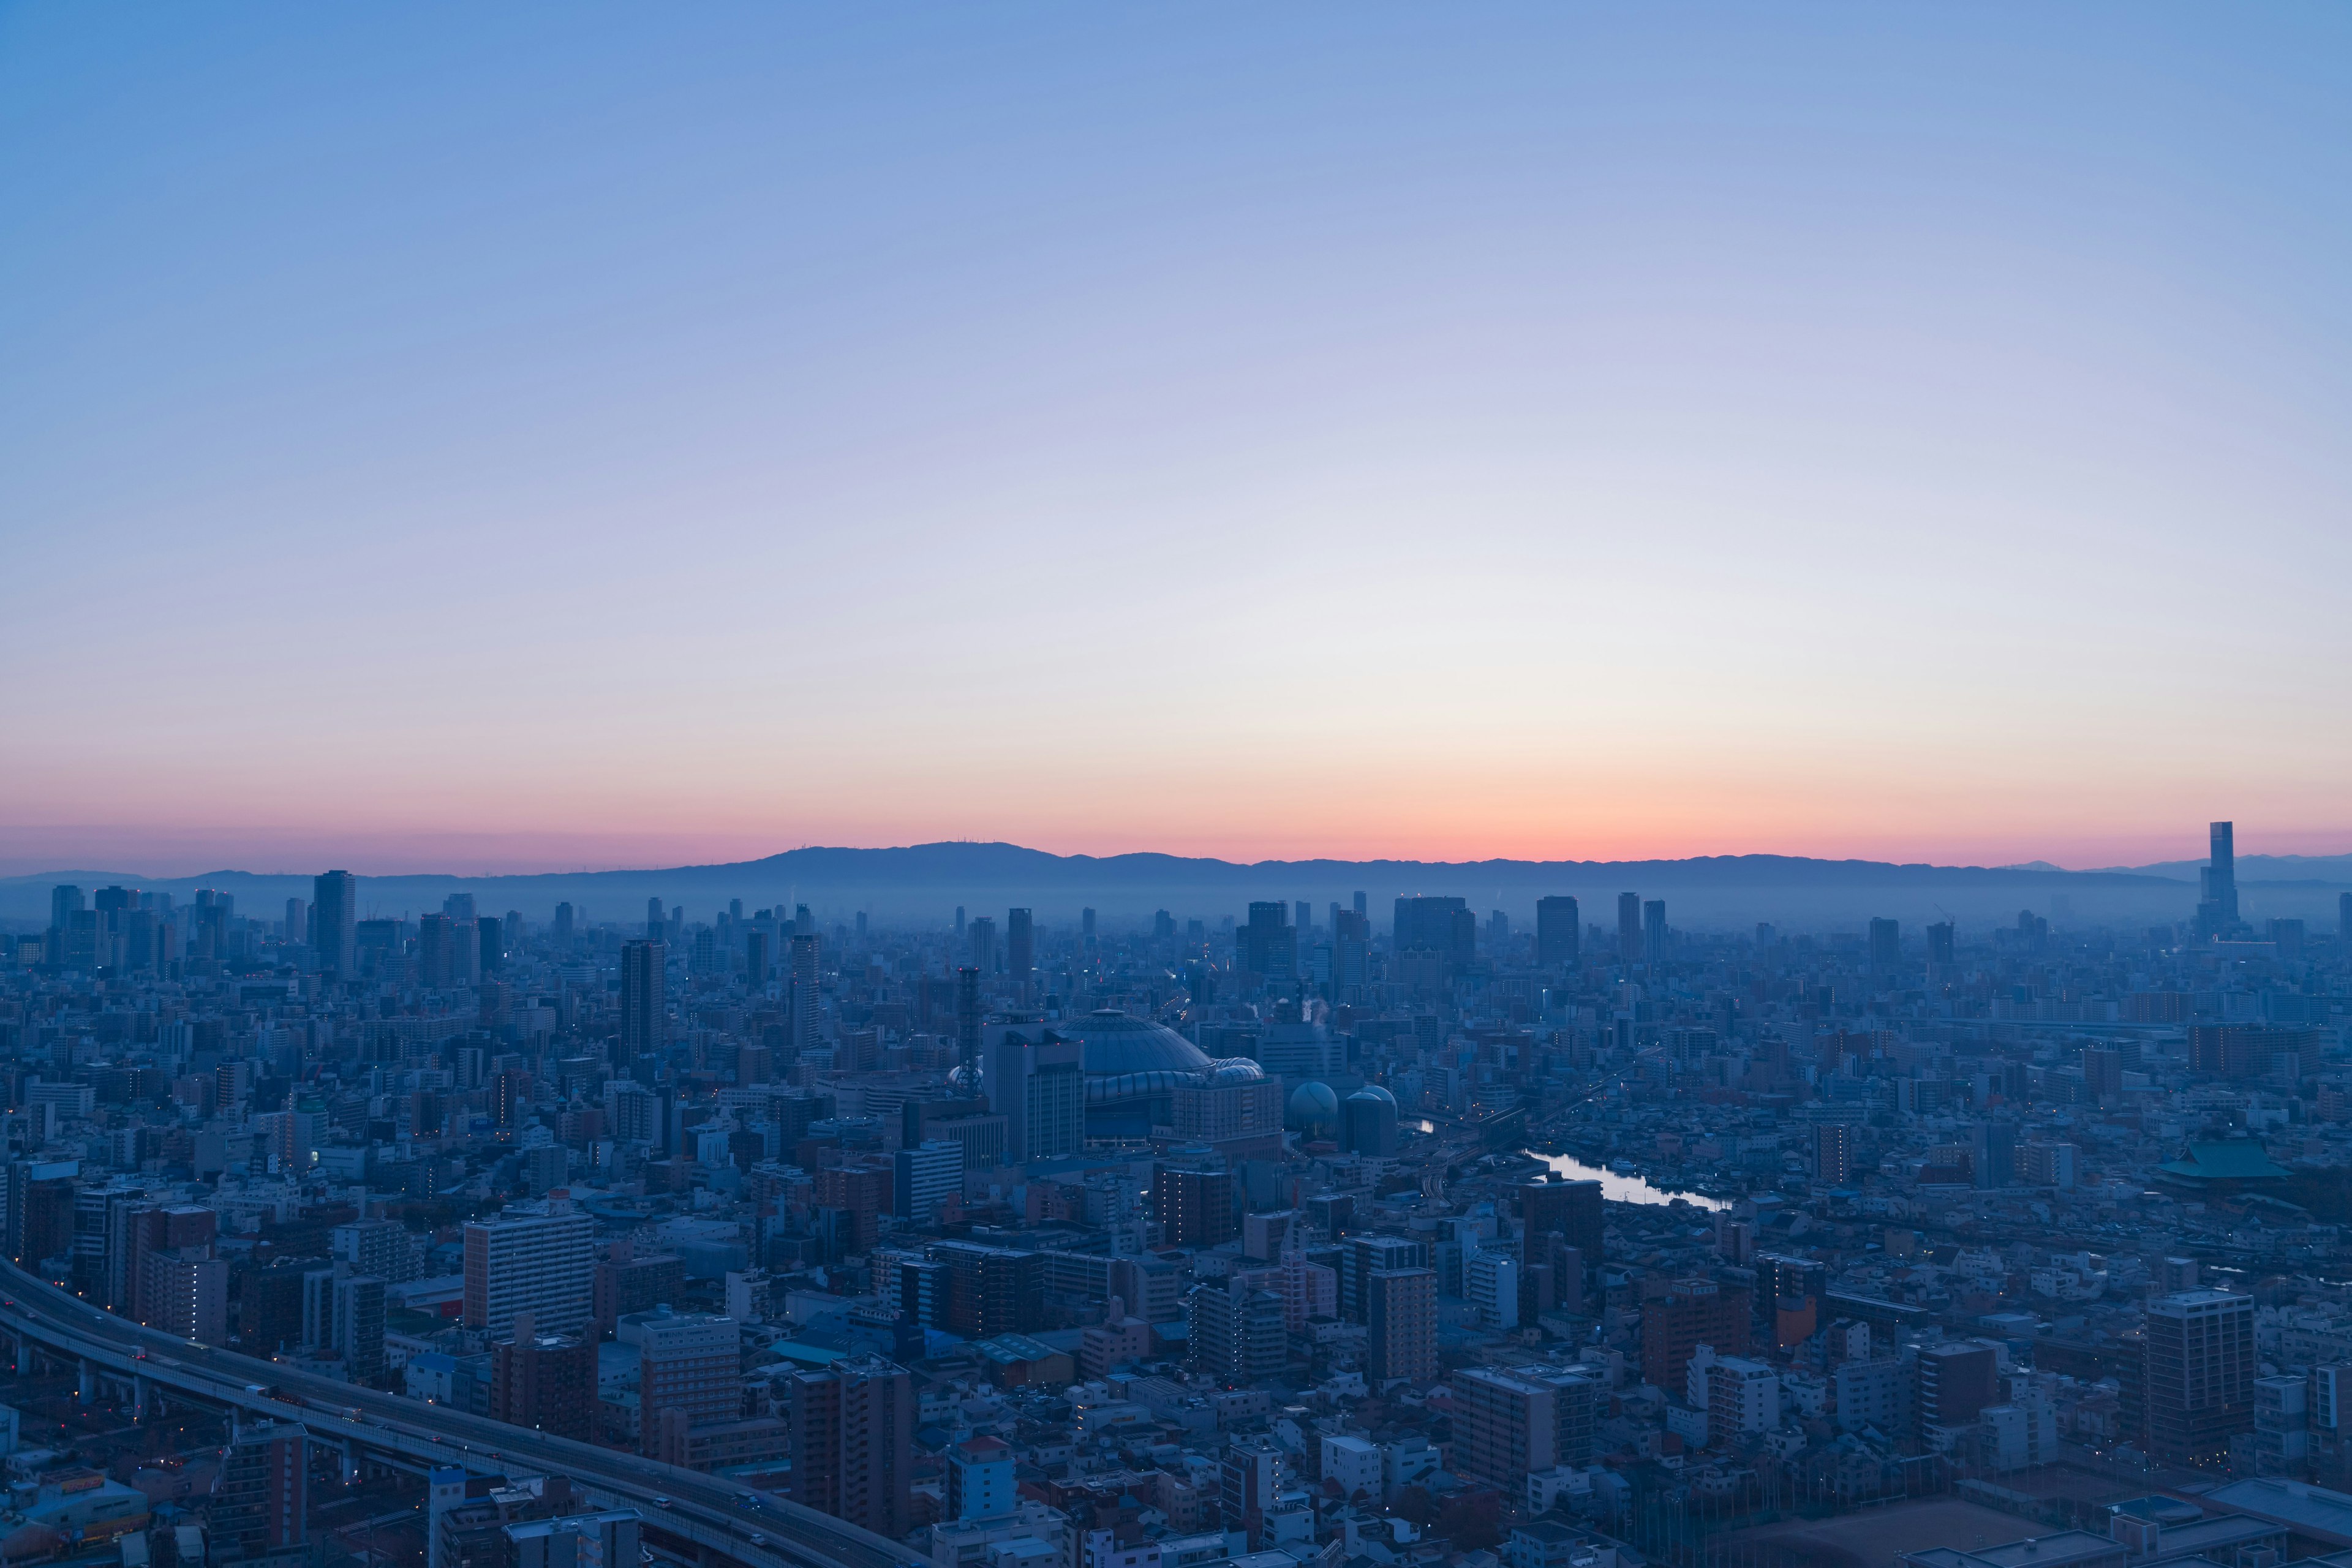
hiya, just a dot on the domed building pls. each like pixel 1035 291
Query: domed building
pixel 1368 1122
pixel 1314 1111
pixel 1132 1067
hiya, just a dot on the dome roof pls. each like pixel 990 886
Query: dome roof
pixel 1314 1102
pixel 1114 1043
pixel 1375 1093
pixel 1232 1069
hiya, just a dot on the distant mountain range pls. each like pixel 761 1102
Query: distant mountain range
pixel 923 884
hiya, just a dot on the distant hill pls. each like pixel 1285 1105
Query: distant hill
pixel 923 884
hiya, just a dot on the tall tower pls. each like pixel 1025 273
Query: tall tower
pixel 1020 945
pixel 334 914
pixel 1555 932
pixel 642 1009
pixel 1629 926
pixel 967 1027
pixel 804 982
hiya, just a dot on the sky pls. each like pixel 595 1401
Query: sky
pixel 535 436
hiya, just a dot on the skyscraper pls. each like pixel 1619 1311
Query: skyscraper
pixel 644 1009
pixel 2216 890
pixel 1020 945
pixel 1629 926
pixel 985 956
pixel 1939 944
pixel 1443 926
pixel 807 1002
pixel 1269 943
pixel 334 920
pixel 1557 939
pixel 1654 931
pixel 1886 944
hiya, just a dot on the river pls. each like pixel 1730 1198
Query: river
pixel 1621 1189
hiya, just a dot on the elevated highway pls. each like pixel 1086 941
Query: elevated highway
pixel 696 1518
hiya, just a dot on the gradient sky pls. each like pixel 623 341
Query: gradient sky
pixel 496 437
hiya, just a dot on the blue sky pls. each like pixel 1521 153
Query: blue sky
pixel 583 435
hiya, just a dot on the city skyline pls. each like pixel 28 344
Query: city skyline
pixel 1901 435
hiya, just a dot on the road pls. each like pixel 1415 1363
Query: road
pixel 724 1519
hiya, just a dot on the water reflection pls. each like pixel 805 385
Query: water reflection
pixel 1619 1188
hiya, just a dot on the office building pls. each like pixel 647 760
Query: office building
pixel 1886 944
pixel 849 1435
pixel 1654 931
pixel 1039 1086
pixel 2200 1370
pixel 923 1178
pixel 1445 927
pixel 1020 945
pixel 1629 928
pixel 529 1257
pixel 981 937
pixel 1267 946
pixel 645 1007
pixel 334 922
pixel 1559 938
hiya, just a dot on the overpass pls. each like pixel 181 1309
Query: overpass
pixel 701 1519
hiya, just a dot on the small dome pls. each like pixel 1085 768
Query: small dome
pixel 1232 1070
pixel 1375 1093
pixel 1314 1107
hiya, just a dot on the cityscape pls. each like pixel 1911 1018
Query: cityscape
pixel 1033 785
pixel 1287 1235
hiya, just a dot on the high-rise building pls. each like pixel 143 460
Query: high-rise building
pixel 1570 1209
pixel 626 1283
pixel 1442 926
pixel 755 960
pixel 1629 928
pixel 334 921
pixel 1654 931
pixel 544 1381
pixel 1039 1086
pixel 848 1431
pixel 1939 944
pixel 529 1257
pixel 691 1375
pixel 1268 945
pixel 1235 1332
pixel 1886 944
pixel 260 1496
pixel 657 923
pixel 2198 1386
pixel 1833 1152
pixel 1995 1154
pixel 186 1295
pixel 2217 890
pixel 1956 1382
pixel 644 1002
pixel 1558 939
pixel 1362 1256
pixel 981 934
pixel 806 997
pixel 990 1290
pixel 926 1176
pixel 1254 1474
pixel 1194 1204
pixel 1506 1426
pixel 1693 1312
pixel 1400 1314
pixel 1020 945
